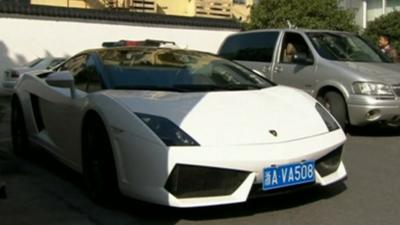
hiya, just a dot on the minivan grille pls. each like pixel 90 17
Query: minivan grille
pixel 396 89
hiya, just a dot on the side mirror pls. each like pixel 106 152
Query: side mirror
pixel 301 58
pixel 63 79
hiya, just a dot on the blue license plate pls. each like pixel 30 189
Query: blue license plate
pixel 288 175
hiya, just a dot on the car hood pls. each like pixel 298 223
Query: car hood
pixel 232 117
pixel 384 72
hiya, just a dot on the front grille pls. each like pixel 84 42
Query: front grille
pixel 396 89
pixel 329 163
pixel 187 181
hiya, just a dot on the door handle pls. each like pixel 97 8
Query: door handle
pixel 278 69
pixel 266 69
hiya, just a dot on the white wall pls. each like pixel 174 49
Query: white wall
pixel 24 39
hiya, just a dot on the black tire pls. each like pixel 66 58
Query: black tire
pixel 20 141
pixel 334 102
pixel 98 163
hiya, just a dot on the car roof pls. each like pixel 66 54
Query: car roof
pixel 96 50
pixel 301 30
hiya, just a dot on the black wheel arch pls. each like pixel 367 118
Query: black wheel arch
pixel 15 99
pixel 329 88
pixel 89 116
pixel 93 118
pixel 323 90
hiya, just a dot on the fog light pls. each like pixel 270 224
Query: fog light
pixel 373 114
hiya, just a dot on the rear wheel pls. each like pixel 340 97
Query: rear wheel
pixel 334 102
pixel 19 135
pixel 98 163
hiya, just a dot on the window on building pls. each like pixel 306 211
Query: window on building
pixel 392 5
pixel 374 9
pixel 241 2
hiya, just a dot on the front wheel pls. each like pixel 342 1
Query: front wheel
pixel 19 134
pixel 334 102
pixel 98 163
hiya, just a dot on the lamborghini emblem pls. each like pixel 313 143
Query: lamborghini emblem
pixel 273 132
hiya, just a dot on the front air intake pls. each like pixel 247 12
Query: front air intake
pixel 187 181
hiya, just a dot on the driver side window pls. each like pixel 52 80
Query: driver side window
pixel 294 44
pixel 77 66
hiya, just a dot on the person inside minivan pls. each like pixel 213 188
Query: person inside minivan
pixel 288 53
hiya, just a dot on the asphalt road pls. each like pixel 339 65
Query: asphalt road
pixel 42 191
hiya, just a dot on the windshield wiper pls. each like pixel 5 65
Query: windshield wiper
pixel 150 88
pixel 212 87
pixel 243 86
pixel 191 87
pixel 198 87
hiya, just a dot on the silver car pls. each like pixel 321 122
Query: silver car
pixel 13 74
pixel 352 78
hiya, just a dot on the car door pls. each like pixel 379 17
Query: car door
pixel 62 114
pixel 295 65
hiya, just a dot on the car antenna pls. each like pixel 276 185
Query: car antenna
pixel 290 25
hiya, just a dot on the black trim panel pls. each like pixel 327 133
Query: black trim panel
pixel 37 113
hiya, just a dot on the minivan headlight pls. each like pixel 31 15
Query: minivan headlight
pixel 371 88
pixel 167 131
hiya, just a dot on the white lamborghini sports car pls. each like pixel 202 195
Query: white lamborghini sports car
pixel 176 127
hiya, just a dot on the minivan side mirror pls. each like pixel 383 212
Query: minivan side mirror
pixel 301 58
pixel 62 79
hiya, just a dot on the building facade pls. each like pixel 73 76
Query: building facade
pixel 368 10
pixel 225 9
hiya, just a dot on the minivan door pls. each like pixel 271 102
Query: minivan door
pixel 295 65
pixel 255 50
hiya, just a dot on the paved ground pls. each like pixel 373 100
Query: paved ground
pixel 41 191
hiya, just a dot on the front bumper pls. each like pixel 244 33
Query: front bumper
pixel 247 162
pixel 364 110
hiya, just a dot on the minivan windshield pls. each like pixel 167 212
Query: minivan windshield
pixel 345 47
pixel 175 70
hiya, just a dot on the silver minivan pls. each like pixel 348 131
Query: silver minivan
pixel 349 76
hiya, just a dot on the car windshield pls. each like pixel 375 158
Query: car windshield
pixel 345 47
pixel 33 63
pixel 55 62
pixel 175 70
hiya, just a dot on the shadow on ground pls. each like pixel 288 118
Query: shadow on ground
pixel 265 204
pixel 150 213
pixel 375 130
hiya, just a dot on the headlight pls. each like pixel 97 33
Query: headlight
pixel 330 122
pixel 167 131
pixel 368 88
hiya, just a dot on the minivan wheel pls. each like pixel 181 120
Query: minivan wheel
pixel 19 134
pixel 334 102
pixel 98 164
